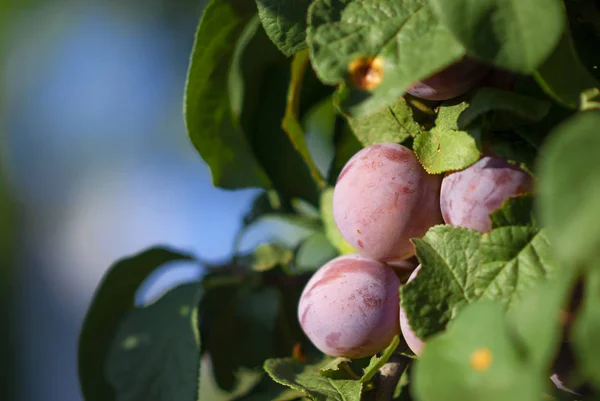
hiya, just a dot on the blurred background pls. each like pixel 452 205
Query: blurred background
pixel 95 165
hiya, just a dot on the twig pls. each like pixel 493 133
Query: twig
pixel 389 375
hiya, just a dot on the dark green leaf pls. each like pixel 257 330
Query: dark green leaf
pixel 291 124
pixel 239 323
pixel 264 84
pixel 476 359
pixel 563 77
pixel 285 23
pixel 378 361
pixel 305 378
pixel 405 35
pixel 461 266
pixel 537 320
pixel 491 99
pixel 515 211
pixel 394 123
pixel 570 188
pixel 155 355
pixel 113 299
pixel 504 32
pixel 268 390
pixel 586 329
pixel 208 110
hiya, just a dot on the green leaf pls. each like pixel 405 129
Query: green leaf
pixel 337 368
pixel 504 32
pixel 314 252
pixel 261 85
pixel 378 361
pixel 491 99
pixel 536 320
pixel 268 255
pixel 515 211
pixel 239 321
pixel 405 35
pixel 441 150
pixel 155 354
pixel 461 266
pixel 586 329
pixel 267 389
pixel 285 23
pixel 113 299
pixel 291 124
pixel 476 359
pixel 331 230
pixel 569 188
pixel 446 147
pixel 208 111
pixel 394 123
pixel 513 261
pixel 449 114
pixel 305 378
pixel 562 76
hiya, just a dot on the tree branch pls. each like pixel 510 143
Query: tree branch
pixel 389 375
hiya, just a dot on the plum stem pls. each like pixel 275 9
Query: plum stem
pixel 389 375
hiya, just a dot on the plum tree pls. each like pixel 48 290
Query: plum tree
pixel 349 307
pixel 412 340
pixel 470 195
pixel 451 82
pixel 382 198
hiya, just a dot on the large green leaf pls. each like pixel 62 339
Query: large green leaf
pixel 586 329
pixel 238 320
pixel 569 189
pixel 285 23
pixel 562 76
pixel 394 123
pixel 506 33
pixel 537 319
pixel 476 359
pixel 155 355
pixel 406 37
pixel 261 86
pixel 305 378
pixel 461 266
pixel 113 299
pixel 208 106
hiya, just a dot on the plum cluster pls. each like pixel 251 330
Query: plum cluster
pixel 383 197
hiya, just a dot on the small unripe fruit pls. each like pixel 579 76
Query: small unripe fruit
pixel 349 307
pixel 382 199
